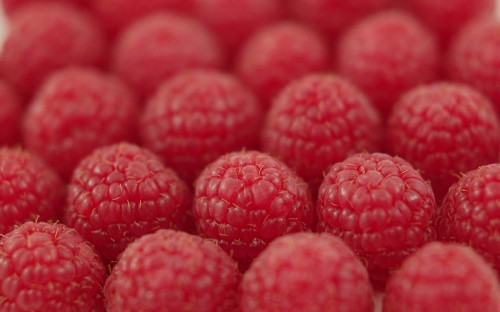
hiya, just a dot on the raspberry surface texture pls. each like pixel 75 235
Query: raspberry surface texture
pixel 173 271
pixel 306 272
pixel 45 37
pixel 278 54
pixel 444 129
pixel 386 54
pixel 11 6
pixel 474 58
pixel 244 200
pixel 470 213
pixel 317 121
pixel 158 46
pixel 198 116
pixel 443 278
pixel 48 267
pixel 76 111
pixel 11 111
pixel 121 192
pixel 29 190
pixel 382 208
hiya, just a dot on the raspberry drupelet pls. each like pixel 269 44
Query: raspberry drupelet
pixel 443 278
pixel 45 37
pixel 76 111
pixel 444 129
pixel 121 192
pixel 173 271
pixel 317 121
pixel 198 116
pixel 48 267
pixel 244 200
pixel 382 208
pixel 29 190
pixel 11 110
pixel 160 45
pixel 278 54
pixel 386 54
pixel 11 6
pixel 306 272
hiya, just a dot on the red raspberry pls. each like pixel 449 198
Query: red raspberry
pixel 48 267
pixel 474 58
pixel 173 271
pixel 470 213
pixel 278 54
pixel 121 192
pixel 387 54
pixel 443 278
pixel 11 111
pixel 76 111
pixel 244 200
pixel 45 37
pixel 306 272
pixel 317 121
pixel 444 129
pixel 198 116
pixel 11 6
pixel 380 206
pixel 161 45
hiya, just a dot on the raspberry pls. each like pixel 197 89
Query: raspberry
pixel 161 45
pixel 306 272
pixel 474 58
pixel 173 271
pixel 444 129
pixel 198 116
pixel 380 206
pixel 443 278
pixel 45 37
pixel 48 267
pixel 121 192
pixel 11 111
pixel 11 6
pixel 470 213
pixel 76 111
pixel 278 54
pixel 317 121
pixel 244 200
pixel 387 54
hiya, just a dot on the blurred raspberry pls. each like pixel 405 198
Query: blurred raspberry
pixel 11 6
pixel 121 192
pixel 244 200
pixel 48 267
pixel 173 271
pixel 443 130
pixel 306 272
pixel 381 207
pixel 317 121
pixel 11 111
pixel 76 111
pixel 443 278
pixel 198 116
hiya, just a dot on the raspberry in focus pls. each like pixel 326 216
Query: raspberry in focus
pixel 48 267
pixel 244 200
pixel 443 278
pixel 381 207
pixel 11 111
pixel 306 272
pixel 198 116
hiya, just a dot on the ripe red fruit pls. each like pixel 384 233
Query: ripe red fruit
pixel 173 271
pixel 45 37
pixel 11 6
pixel 121 192
pixel 76 111
pixel 11 111
pixel 317 121
pixel 198 116
pixel 278 54
pixel 158 46
pixel 386 54
pixel 380 206
pixel 48 267
pixel 443 130
pixel 244 200
pixel 443 278
pixel 306 272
